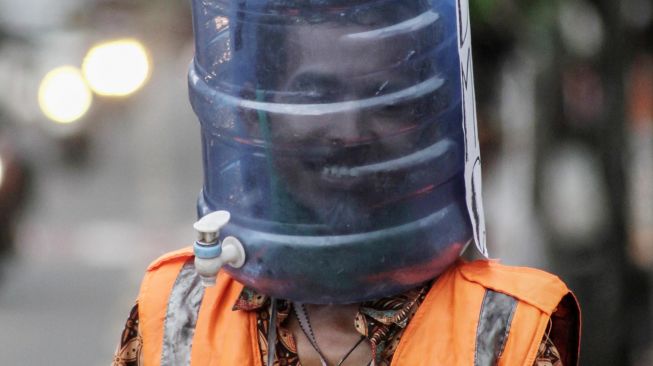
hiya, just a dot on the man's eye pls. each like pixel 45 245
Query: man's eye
pixel 314 90
pixel 315 96
pixel 306 96
pixel 393 110
pixel 303 86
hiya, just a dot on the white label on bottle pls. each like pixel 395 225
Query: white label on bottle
pixel 472 150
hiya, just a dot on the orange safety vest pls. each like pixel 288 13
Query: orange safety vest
pixel 477 314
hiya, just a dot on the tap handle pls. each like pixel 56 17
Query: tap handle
pixel 208 227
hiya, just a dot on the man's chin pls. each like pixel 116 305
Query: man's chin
pixel 344 215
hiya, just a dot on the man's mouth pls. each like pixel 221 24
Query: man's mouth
pixel 339 171
pixel 340 176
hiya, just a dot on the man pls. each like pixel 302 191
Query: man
pixel 339 141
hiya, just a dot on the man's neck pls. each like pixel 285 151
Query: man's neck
pixel 335 333
pixel 340 317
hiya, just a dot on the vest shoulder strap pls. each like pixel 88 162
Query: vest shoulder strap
pixel 155 293
pixel 182 255
pixel 183 323
pixel 481 314
pixel 532 286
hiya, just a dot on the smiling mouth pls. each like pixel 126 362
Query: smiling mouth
pixel 347 175
pixel 439 151
pixel 340 177
pixel 338 171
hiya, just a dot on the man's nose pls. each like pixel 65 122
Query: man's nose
pixel 348 128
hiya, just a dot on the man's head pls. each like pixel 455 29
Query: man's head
pixel 337 68
pixel 332 133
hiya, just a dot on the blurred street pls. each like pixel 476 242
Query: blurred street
pixel 92 224
pixel 71 310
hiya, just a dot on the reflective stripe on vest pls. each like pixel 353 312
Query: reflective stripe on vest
pixel 185 300
pixel 493 327
pixel 181 317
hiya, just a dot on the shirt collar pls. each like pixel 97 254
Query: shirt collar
pixel 396 309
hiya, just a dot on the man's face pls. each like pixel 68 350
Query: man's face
pixel 353 124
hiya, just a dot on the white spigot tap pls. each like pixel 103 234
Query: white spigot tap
pixel 210 253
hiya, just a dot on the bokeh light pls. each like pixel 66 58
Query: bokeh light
pixel 63 95
pixel 117 68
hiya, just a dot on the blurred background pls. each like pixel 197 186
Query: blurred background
pixel 100 162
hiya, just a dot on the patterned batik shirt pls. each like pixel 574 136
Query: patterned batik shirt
pixel 382 322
